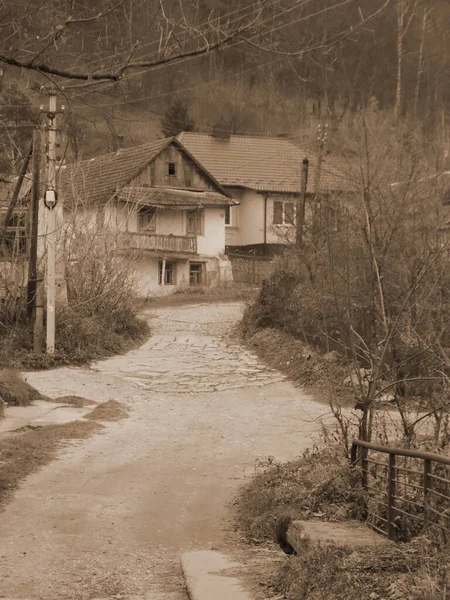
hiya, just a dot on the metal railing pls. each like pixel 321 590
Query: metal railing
pixel 153 241
pixel 408 491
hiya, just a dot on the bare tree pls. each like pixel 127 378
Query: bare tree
pixel 405 13
pixel 59 39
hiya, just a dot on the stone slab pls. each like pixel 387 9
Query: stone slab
pixel 62 414
pixel 40 413
pixel 348 533
pixel 206 579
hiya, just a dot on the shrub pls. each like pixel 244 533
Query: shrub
pixel 317 484
pixel 15 390
pixel 101 317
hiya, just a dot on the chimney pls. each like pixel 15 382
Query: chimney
pixel 117 142
pixel 221 131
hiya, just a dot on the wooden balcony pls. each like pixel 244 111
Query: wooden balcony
pixel 164 243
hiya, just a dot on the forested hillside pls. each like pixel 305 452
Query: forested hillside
pixel 266 67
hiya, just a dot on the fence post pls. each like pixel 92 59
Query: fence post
pixel 364 466
pixel 354 455
pixel 391 497
pixel 426 484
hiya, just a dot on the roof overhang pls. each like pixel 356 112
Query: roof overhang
pixel 173 198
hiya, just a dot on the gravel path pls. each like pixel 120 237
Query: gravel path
pixel 110 517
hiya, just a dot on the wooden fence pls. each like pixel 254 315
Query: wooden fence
pixel 407 490
pixel 250 269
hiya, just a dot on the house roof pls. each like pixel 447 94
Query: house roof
pixel 270 164
pixel 98 179
pixel 173 198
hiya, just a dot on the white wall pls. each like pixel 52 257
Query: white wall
pixel 147 273
pixel 251 218
pixel 248 225
pixel 212 242
pixel 233 232
pixel 217 271
pixel 170 222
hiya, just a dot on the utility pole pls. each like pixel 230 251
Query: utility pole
pixel 35 298
pixel 300 214
pixel 321 138
pixel 51 234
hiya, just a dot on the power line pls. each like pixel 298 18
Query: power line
pixel 190 88
pixel 298 4
pixel 185 33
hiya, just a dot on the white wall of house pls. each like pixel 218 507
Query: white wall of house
pixel 147 271
pixel 247 226
pixel 212 242
pixel 251 218
pixel 215 271
pixel 121 217
pixel 170 222
pixel 233 231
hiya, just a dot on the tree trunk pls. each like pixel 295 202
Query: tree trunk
pixel 420 61
pixel 400 51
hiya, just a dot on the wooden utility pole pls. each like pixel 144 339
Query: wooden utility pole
pixel 35 279
pixel 15 197
pixel 301 204
pixel 322 138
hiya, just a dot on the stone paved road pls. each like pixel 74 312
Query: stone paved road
pixel 188 354
pixel 110 517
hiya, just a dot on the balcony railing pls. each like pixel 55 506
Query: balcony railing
pixel 153 241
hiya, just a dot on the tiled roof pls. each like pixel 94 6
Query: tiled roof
pixel 173 198
pixel 265 164
pixel 97 179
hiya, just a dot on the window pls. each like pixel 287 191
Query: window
pixel 228 215
pixel 196 274
pixel 277 213
pixel 147 219
pixel 169 273
pixel 171 169
pixel 194 223
pixel 283 213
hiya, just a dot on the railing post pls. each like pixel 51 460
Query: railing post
pixel 391 497
pixel 426 485
pixel 364 467
pixel 354 455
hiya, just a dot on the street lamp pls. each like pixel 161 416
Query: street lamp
pixel 50 199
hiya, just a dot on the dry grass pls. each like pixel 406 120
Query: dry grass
pixel 108 411
pixel 320 485
pixel 317 485
pixel 75 401
pixel 25 451
pixel 233 292
pixel 15 390
pixel 80 339
pixel 397 572
pixel 303 364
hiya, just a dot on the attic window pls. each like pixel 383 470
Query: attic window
pixel 171 169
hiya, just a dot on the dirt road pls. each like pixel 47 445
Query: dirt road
pixel 111 515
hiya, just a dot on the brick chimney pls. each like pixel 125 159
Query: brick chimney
pixel 221 131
